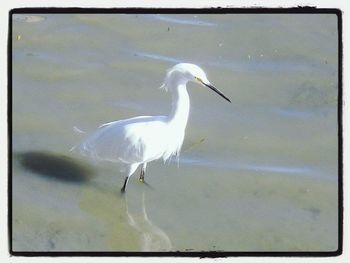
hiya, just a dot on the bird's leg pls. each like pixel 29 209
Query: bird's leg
pixel 124 185
pixel 143 171
pixel 130 170
pixel 142 176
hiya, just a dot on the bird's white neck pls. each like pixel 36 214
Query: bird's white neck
pixel 180 106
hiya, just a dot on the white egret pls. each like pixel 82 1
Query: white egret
pixel 140 140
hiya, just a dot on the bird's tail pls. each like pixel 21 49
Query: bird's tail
pixel 78 131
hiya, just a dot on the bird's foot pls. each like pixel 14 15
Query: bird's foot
pixel 142 176
pixel 124 185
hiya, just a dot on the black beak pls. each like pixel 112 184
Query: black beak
pixel 217 91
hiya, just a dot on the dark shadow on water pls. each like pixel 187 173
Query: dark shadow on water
pixel 55 166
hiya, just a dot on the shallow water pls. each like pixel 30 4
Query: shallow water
pixel 259 174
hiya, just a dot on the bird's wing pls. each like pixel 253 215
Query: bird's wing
pixel 130 120
pixel 125 140
pixel 145 140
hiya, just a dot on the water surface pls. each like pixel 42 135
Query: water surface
pixel 259 174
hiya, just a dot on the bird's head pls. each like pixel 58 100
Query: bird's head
pixel 183 72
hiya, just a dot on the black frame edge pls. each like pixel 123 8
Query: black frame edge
pixel 9 130
pixel 340 133
pixel 146 10
pixel 214 10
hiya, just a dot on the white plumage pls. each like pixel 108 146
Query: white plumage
pixel 105 143
pixel 142 139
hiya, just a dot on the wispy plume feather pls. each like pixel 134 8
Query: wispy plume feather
pixel 165 85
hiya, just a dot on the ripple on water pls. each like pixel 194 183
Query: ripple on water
pixel 177 20
pixel 302 114
pixel 28 18
pixel 243 65
pixel 157 57
pixel 254 167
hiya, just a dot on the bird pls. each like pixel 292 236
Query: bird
pixel 139 140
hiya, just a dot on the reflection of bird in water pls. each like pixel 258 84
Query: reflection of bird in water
pixel 154 238
pixel 139 140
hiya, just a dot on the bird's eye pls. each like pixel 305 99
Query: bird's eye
pixel 198 79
